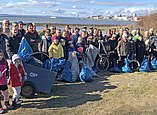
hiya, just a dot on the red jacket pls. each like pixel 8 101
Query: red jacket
pixel 14 75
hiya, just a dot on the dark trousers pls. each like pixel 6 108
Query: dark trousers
pixel 121 61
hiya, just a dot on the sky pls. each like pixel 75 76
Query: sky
pixel 81 8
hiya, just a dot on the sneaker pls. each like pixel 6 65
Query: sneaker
pixel 14 104
pixel 9 107
pixel 1 110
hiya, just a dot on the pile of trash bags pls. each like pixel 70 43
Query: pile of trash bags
pixel 69 69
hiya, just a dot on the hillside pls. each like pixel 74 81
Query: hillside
pixel 149 22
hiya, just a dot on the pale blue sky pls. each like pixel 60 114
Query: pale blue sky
pixel 76 7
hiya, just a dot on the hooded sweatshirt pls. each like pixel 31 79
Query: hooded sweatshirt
pixel 17 72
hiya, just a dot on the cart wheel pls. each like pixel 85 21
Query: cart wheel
pixel 28 90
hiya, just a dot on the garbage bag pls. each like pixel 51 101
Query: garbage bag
pixel 66 73
pixel 75 66
pixel 33 61
pixel 24 50
pixel 46 64
pixel 85 75
pixel 126 68
pixel 145 66
pixel 154 63
pixel 115 68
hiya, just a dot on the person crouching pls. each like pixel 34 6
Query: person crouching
pixel 17 74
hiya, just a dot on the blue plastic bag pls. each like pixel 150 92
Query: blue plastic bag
pixel 24 50
pixel 115 68
pixel 145 66
pixel 85 75
pixel 154 63
pixel 46 64
pixel 126 68
pixel 57 64
pixel 66 73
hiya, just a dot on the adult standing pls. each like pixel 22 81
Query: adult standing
pixel 5 26
pixel 32 37
pixel 3 39
pixel 74 37
pixel 12 43
pixel 21 31
pixel 44 30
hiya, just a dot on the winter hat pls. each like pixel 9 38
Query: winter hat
pixel 151 30
pixel 137 28
pixel 55 37
pixel 124 35
pixel 80 49
pixel 15 57
pixel 5 21
pixel 20 22
pixel 90 27
pixel 53 28
pixel 30 24
pixel 133 31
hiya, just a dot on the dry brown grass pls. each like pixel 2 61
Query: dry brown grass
pixel 109 94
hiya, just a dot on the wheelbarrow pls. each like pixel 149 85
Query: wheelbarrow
pixel 38 79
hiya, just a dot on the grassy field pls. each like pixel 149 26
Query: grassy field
pixel 108 94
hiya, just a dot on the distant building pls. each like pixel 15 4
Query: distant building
pixel 97 17
pixel 120 17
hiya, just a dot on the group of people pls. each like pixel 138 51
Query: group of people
pixel 58 44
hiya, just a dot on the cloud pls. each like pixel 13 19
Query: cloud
pixel 133 10
pixel 114 3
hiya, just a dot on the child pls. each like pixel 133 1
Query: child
pixel 56 50
pixel 80 48
pixel 17 74
pixel 64 48
pixel 3 81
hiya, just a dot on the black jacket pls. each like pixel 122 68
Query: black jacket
pixel 12 46
pixel 3 39
pixel 33 40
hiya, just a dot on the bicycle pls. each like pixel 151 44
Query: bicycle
pixel 102 63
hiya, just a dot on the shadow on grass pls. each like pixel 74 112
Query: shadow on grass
pixel 72 94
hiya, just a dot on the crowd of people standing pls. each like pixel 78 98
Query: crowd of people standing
pixel 58 44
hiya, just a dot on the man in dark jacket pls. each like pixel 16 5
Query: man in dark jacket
pixel 113 53
pixel 12 43
pixel 140 49
pixel 21 31
pixel 131 48
pixel 32 37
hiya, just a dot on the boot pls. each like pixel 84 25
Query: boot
pixel 8 106
pixel 14 104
